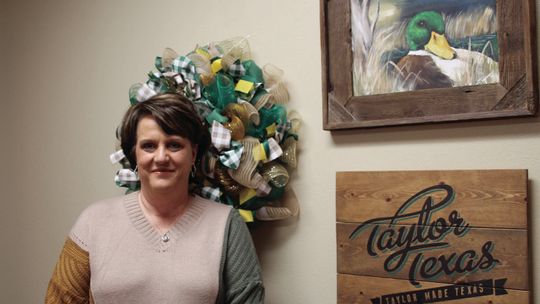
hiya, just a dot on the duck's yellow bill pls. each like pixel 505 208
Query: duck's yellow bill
pixel 439 46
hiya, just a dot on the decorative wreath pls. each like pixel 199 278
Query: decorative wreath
pixel 253 136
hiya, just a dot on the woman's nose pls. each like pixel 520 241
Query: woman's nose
pixel 161 155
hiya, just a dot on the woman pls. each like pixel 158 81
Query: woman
pixel 161 244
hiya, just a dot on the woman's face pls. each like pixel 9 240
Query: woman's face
pixel 164 161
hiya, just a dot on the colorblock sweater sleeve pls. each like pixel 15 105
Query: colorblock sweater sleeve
pixel 70 282
pixel 241 280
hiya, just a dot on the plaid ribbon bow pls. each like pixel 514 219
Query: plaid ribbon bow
pixel 274 150
pixel 166 71
pixel 281 129
pixel 182 70
pixel 186 68
pixel 117 156
pixel 231 158
pixel 211 193
pixel 236 70
pixel 141 92
pixel 154 85
pixel 221 136
pixel 127 178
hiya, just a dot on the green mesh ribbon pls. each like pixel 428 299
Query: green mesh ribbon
pixel 276 114
pixel 220 92
pixel 216 115
pixel 253 73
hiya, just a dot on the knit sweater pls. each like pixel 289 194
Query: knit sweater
pixel 114 255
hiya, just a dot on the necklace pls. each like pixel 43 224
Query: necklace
pixel 161 224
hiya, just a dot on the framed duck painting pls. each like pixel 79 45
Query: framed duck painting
pixel 397 62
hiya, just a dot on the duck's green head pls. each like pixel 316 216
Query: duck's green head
pixel 425 31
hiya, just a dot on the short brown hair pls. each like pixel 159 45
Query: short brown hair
pixel 174 113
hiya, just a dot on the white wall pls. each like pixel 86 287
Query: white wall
pixel 69 66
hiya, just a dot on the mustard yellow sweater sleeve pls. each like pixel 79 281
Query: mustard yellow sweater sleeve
pixel 70 282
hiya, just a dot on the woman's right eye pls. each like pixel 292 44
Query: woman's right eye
pixel 148 146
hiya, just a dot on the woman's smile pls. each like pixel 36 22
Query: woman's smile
pixel 162 170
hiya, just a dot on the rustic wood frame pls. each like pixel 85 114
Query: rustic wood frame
pixel 515 95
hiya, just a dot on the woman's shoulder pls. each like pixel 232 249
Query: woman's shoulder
pixel 98 216
pixel 211 204
pixel 108 205
pixel 103 211
pixel 211 209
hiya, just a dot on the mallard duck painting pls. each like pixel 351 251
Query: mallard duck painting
pixel 404 45
pixel 432 63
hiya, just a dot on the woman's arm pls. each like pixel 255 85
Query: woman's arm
pixel 70 282
pixel 241 280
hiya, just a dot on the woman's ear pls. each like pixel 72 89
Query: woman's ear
pixel 194 150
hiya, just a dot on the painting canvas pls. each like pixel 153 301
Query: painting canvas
pixel 404 45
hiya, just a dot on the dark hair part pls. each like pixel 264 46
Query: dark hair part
pixel 174 113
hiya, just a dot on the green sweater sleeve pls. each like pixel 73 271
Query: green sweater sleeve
pixel 241 279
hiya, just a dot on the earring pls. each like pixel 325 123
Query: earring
pixel 193 170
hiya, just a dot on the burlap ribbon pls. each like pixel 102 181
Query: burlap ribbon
pixel 287 207
pixel 246 174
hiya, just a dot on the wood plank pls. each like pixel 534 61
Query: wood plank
pixel 485 198
pixel 511 41
pixel 362 289
pixel 472 99
pixel 324 59
pixel 509 247
pixel 531 57
pixel 339 49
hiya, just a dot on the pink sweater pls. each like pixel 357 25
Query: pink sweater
pixel 130 262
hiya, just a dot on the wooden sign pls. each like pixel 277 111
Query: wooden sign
pixel 413 237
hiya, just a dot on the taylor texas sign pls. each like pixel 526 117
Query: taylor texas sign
pixel 413 237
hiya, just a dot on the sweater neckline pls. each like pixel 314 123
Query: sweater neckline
pixel 156 239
